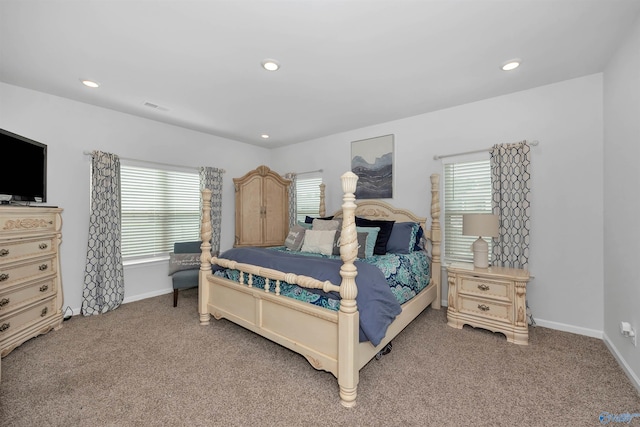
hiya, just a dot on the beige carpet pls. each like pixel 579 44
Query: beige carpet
pixel 149 364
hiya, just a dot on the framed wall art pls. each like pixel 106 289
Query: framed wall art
pixel 372 161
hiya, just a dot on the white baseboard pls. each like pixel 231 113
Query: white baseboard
pixel 147 295
pixel 569 328
pixel 76 310
pixel 625 367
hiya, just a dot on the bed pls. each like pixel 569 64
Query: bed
pixel 330 340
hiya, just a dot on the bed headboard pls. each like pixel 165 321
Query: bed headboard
pixel 377 209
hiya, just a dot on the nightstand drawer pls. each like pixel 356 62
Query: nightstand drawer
pixel 487 309
pixel 486 288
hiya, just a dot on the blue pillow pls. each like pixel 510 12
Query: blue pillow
pixel 418 246
pixel 383 235
pixel 306 225
pixel 403 237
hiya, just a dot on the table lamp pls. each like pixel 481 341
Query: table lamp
pixel 481 225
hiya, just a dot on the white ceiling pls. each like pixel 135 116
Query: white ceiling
pixel 344 64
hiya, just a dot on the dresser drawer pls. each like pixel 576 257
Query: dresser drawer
pixel 487 288
pixel 21 295
pixel 21 248
pixel 487 309
pixel 30 269
pixel 14 322
pixel 26 221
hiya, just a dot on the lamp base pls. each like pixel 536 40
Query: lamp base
pixel 480 253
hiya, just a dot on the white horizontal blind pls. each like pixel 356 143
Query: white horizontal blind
pixel 159 208
pixel 467 189
pixel 308 194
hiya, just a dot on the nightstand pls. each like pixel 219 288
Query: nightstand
pixel 491 298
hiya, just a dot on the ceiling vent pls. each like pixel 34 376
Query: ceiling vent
pixel 155 106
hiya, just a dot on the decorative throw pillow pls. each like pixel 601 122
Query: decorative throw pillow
pixel 309 219
pixel 362 244
pixel 403 237
pixel 294 239
pixel 307 226
pixel 178 262
pixel 372 236
pixel 319 241
pixel 419 245
pixel 383 235
pixel 325 224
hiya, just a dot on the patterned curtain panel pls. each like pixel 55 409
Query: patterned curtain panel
pixel 293 199
pixel 103 277
pixel 510 179
pixel 211 178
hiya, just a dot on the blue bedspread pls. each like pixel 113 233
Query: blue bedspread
pixel 377 305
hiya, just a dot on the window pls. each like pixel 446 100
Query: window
pixel 159 208
pixel 467 189
pixel 308 196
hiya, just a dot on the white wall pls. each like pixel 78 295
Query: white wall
pixel 622 199
pixel 567 182
pixel 69 128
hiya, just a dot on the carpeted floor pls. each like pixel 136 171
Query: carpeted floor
pixel 149 364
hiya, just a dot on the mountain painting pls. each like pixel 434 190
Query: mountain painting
pixel 372 161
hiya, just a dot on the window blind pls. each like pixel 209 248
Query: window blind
pixel 467 189
pixel 308 194
pixel 159 208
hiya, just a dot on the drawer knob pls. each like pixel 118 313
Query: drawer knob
pixel 44 288
pixel 4 301
pixel 483 287
pixel 3 277
pixel 44 311
pixel 483 307
pixel 43 246
pixel 4 252
pixel 43 267
pixel 4 327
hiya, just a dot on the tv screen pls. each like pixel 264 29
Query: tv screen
pixel 23 174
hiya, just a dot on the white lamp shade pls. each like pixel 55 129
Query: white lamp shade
pixel 481 225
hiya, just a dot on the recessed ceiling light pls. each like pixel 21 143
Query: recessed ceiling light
pixel 90 83
pixel 270 64
pixel 511 64
pixel 264 136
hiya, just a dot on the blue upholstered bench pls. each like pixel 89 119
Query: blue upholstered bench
pixel 187 277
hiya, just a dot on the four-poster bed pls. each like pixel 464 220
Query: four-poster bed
pixel 330 340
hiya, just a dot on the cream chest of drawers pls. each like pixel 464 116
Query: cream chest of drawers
pixel 492 298
pixel 30 283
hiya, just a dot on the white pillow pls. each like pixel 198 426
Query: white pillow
pixel 325 224
pixel 319 241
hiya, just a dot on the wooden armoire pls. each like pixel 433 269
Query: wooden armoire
pixel 262 208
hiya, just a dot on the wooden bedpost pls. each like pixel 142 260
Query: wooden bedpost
pixel 348 317
pixel 323 209
pixel 436 239
pixel 205 258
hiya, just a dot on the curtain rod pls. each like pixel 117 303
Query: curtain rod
pixel 89 153
pixel 438 157
pixel 303 173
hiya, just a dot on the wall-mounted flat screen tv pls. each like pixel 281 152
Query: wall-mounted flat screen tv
pixel 23 169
